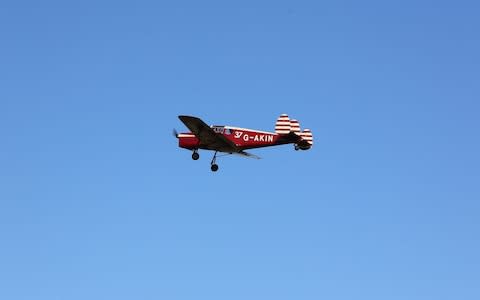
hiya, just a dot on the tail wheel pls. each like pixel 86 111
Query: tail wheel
pixel 214 168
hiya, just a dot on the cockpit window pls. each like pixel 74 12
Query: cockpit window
pixel 228 131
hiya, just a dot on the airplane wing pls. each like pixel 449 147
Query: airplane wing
pixel 246 154
pixel 209 138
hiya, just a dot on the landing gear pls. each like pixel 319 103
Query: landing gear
pixel 214 166
pixel 296 147
pixel 195 155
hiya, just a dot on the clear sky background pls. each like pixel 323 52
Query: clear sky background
pixel 97 201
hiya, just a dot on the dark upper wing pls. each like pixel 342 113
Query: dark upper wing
pixel 208 138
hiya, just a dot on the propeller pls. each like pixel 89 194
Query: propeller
pixel 175 133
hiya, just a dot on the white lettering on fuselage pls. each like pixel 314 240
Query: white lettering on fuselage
pixel 263 138
pixel 258 138
pixel 255 138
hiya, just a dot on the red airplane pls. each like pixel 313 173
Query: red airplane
pixel 234 140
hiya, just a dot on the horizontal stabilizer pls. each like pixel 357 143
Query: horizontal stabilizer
pixel 291 137
pixel 307 137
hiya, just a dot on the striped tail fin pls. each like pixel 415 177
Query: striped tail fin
pixel 295 126
pixel 283 125
pixel 307 136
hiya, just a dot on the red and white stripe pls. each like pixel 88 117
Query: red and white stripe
pixel 295 126
pixel 307 136
pixel 283 124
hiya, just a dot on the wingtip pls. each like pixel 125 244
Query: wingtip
pixel 249 155
pixel 187 117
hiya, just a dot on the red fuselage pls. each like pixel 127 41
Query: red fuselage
pixel 243 138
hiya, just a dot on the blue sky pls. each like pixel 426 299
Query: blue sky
pixel 97 201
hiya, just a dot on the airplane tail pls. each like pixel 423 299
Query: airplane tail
pixel 285 125
pixel 307 139
pixel 295 126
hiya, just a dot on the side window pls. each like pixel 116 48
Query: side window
pixel 227 131
pixel 218 129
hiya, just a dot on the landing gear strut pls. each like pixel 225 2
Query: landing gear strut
pixel 214 166
pixel 195 155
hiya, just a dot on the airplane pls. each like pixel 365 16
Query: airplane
pixel 235 140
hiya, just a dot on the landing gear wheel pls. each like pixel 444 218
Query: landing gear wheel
pixel 297 148
pixel 195 156
pixel 214 168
